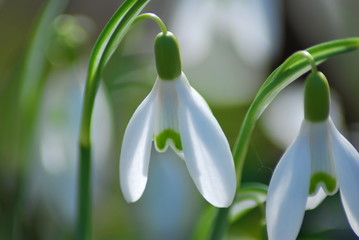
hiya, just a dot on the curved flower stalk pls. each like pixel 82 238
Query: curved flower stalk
pixel 318 163
pixel 175 115
pixel 340 18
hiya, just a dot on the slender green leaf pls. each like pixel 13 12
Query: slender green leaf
pixel 205 224
pixel 106 44
pixel 103 39
pixel 32 77
pixel 248 197
pixel 35 59
pixel 215 222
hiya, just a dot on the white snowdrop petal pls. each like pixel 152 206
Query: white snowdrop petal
pixel 166 132
pixel 136 149
pixel 288 190
pixel 322 168
pixel 346 160
pixel 206 150
pixel 315 199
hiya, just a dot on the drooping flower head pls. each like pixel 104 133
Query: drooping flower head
pixel 175 115
pixel 318 163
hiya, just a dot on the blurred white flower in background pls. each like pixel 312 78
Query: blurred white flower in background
pixel 54 169
pixel 228 45
pixel 54 160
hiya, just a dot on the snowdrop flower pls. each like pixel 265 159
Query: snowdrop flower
pixel 174 115
pixel 318 162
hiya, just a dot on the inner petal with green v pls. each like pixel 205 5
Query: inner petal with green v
pixel 322 168
pixel 166 130
pixel 161 140
pixel 328 182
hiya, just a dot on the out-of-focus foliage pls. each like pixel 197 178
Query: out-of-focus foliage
pixel 170 206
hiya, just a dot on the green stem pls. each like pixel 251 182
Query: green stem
pixel 221 224
pixel 153 17
pixel 309 58
pixel 104 47
pixel 281 77
pixel 84 200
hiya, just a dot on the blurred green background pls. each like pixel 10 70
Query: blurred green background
pixel 228 48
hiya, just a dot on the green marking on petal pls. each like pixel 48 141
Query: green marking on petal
pixel 167 134
pixel 328 180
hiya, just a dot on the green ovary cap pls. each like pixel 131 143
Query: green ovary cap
pixel 316 97
pixel 328 180
pixel 168 59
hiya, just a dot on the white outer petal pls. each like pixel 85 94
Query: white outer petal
pixel 136 149
pixel 288 190
pixel 346 159
pixel 205 147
